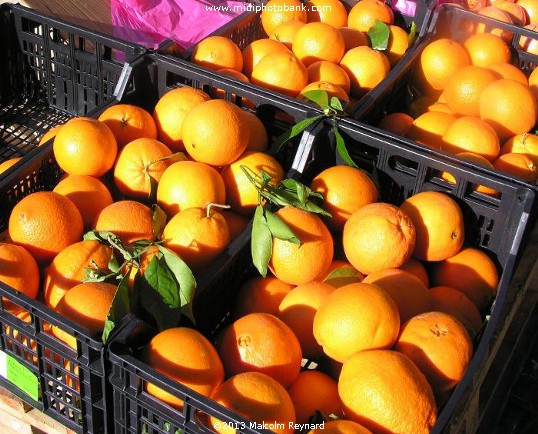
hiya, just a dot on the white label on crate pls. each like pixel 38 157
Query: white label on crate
pixel 19 375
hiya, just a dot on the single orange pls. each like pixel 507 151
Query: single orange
pixel 261 295
pixel 396 123
pixel 85 146
pixel 277 12
pixel 258 49
pixel 217 52
pixel 408 401
pixel 364 14
pixel 416 267
pixel 89 195
pixel 345 189
pixel 531 8
pixel 129 122
pixel 317 41
pixel 45 223
pixel 355 318
pixel 237 223
pixel 297 264
pixel 486 49
pixel 456 303
pixel 397 45
pixel 526 143
pixel 188 184
pixel 170 111
pixel 516 12
pixel 439 224
pixel 353 37
pixel 285 32
pixel 258 140
pixel 19 270
pixel 365 67
pixel 429 128
pixel 507 70
pixel 49 134
pixel 260 342
pixel 330 72
pixel 129 220
pixel 186 356
pixel 471 134
pixel 330 12
pixel 533 82
pixel 5 165
pixel 519 165
pixel 297 310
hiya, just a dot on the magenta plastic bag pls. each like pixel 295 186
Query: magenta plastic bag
pixel 186 22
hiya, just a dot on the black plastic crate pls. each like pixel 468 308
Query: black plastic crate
pixel 496 225
pixel 52 71
pixel 396 92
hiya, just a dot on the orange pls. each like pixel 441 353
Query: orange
pixel 364 14
pixel 296 264
pixel 507 70
pixel 365 67
pixel 325 398
pixel 257 50
pixel 356 317
pixel 228 72
pixel 330 72
pixel 86 304
pixel 429 128
pixel 297 310
pixel 439 225
pixel 215 133
pixel 197 235
pixel 397 45
pixel 5 165
pixel 417 268
pixel 345 189
pixel 396 123
pixel 258 398
pixel 129 220
pixel 318 41
pixel 140 164
pixel 332 90
pixel 471 134
pixel 437 62
pixel 518 165
pixel 408 291
pixel 440 107
pixel 260 342
pixel 129 122
pixel 241 194
pixel 286 32
pixel 498 14
pixel 472 272
pixel 533 82
pixel 186 356
pixel 188 184
pixel 217 52
pixel 531 8
pixel 45 223
pixel 528 44
pixel 353 37
pixel 456 303
pixel 441 348
pixel 516 12
pixel 277 12
pixel 463 89
pixel 88 194
pixel 331 12
pixel 378 236
pixel 281 72
pixel 261 295
pixel 85 146
pixel 237 223
pixel 342 273
pixel 509 107
pixel 486 49
pixel 49 134
pixel 526 143
pixel 69 267
pixel 19 270
pixel 340 426
pixel 408 403
pixel 258 139
pixel 170 111
pixel 479 160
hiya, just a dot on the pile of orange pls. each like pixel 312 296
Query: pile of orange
pixel 474 101
pixel 319 47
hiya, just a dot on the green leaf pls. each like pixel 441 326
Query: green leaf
pixel 294 131
pixel 412 34
pixel 261 242
pixel 319 97
pixel 113 264
pixel 343 275
pixel 153 184
pixel 279 229
pixel 341 148
pixel 161 278
pixel 336 104
pixel 159 221
pixel 119 308
pixel 379 35
pixel 109 239
pixel 185 278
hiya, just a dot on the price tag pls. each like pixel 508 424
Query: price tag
pixel 19 375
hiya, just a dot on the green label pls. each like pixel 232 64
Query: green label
pixel 19 375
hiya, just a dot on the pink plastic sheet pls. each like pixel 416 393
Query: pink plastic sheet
pixel 149 22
